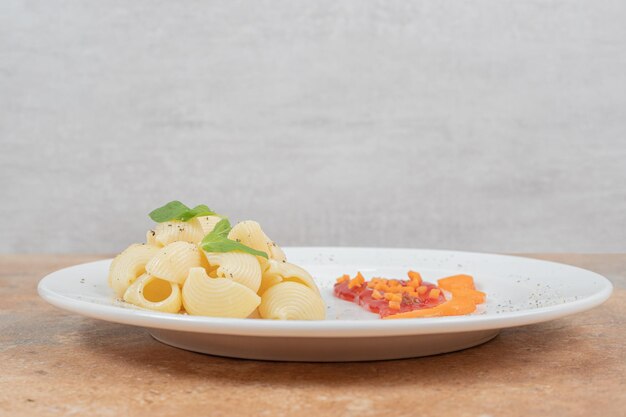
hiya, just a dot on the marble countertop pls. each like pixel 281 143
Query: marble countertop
pixel 58 363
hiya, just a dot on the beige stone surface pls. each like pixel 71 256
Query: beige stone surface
pixel 57 363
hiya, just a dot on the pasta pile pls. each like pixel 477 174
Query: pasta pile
pixel 172 272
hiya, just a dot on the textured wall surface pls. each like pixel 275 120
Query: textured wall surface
pixel 481 125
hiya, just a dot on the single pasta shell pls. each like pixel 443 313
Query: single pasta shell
pixel 177 231
pixel 154 294
pixel 207 223
pixel 172 263
pixel 284 271
pixel 292 301
pixel 128 265
pixel 238 266
pixel 250 234
pixel 217 297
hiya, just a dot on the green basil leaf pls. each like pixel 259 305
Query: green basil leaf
pixel 197 211
pixel 175 210
pixel 221 229
pixel 221 244
pixel 171 210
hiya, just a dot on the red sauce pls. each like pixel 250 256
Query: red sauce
pixel 362 295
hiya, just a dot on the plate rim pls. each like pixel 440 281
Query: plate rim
pixel 329 328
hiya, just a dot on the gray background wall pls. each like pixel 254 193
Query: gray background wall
pixel 481 125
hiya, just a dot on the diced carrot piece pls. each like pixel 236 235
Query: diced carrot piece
pixel 415 276
pixel 370 284
pixel 394 305
pixel 343 278
pixel 434 293
pixel 413 283
pixel 393 283
pixel 388 296
pixel 397 297
pixel 421 290
pixel 376 295
pixel 457 281
pixel 357 281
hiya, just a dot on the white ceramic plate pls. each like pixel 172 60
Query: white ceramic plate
pixel 519 291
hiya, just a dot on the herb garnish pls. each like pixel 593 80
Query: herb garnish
pixel 217 241
pixel 175 210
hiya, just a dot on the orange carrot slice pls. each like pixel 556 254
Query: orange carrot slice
pixel 477 297
pixel 457 281
pixel 449 308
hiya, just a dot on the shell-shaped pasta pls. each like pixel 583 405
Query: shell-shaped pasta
pixel 292 301
pixel 238 266
pixel 154 294
pixel 128 265
pixel 250 234
pixel 173 262
pixel 207 223
pixel 217 297
pixel 284 271
pixel 177 231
